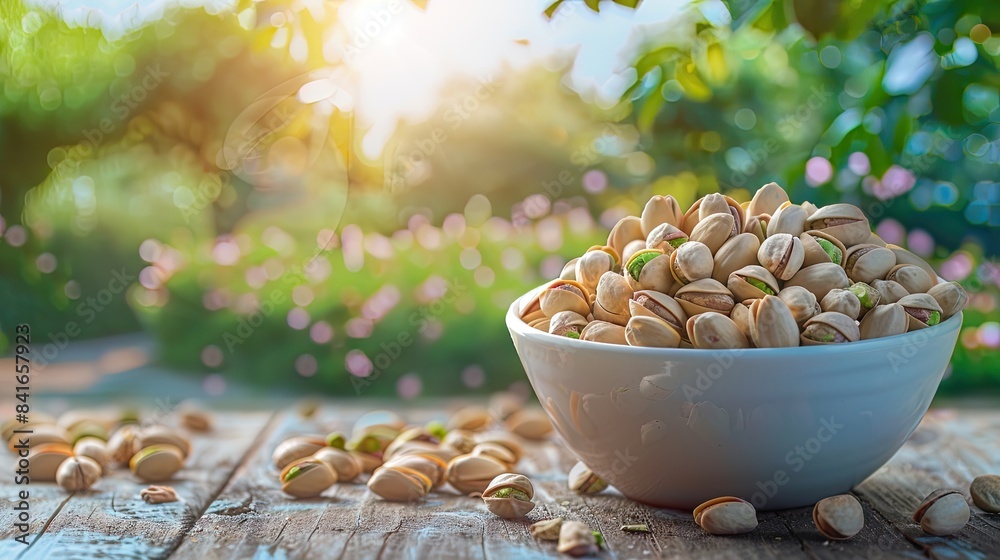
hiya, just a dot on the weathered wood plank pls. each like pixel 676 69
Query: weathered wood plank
pixel 111 518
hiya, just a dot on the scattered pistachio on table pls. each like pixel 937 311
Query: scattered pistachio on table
pixel 576 539
pixel 985 490
pixel 944 512
pixel 529 423
pixel 473 473
pixel 399 484
pixel 343 462
pixel 157 463
pixel 78 473
pixel 839 517
pixel 546 529
pixel 583 480
pixel 93 448
pixel 158 494
pixel 307 478
pixel 196 420
pixel 509 496
pixel 727 515
pixel 44 460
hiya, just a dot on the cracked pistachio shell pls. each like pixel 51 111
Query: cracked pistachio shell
pixel 531 309
pixel 923 310
pixel 546 529
pixel 509 496
pixel 93 448
pixel 660 210
pixel 399 484
pixel 342 462
pixel 819 247
pixel 741 316
pixel 653 268
pixel 568 271
pixel 510 481
pixel 156 435
pixel 766 200
pixel 715 331
pixel 846 222
pixel 78 473
pixel 839 517
pixel 751 282
pixel 911 277
pixel 529 423
pixel 541 324
pixel 44 460
pixel 473 473
pixel 757 226
pixel 951 296
pixel 703 296
pixel 567 323
pixel 495 451
pixel 627 229
pixel 772 324
pixel 691 261
pixel 124 443
pixel 890 291
pixel 714 230
pixel 866 263
pixel 841 301
pixel 868 296
pixel 593 264
pixel 943 513
pixel 576 539
pixel 647 303
pixel 830 328
pixel 801 302
pixel 157 463
pixel 788 218
pixel 295 448
pixel 905 257
pixel 782 255
pixel 501 437
pixel 666 237
pixel 809 207
pixel 736 253
pixel 564 295
pixel 714 203
pixel 820 279
pixel 651 332
pixel 985 491
pixel 429 466
pixel 460 440
pixel 727 515
pixel 632 248
pixel 368 461
pixel 613 294
pixel 582 480
pixel 603 331
pixel 885 320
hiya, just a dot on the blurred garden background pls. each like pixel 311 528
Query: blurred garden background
pixel 345 196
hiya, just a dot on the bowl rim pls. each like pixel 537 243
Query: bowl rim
pixel 516 325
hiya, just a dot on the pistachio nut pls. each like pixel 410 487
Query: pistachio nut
pixel 582 480
pixel 715 331
pixel 157 463
pixel 714 230
pixel 788 218
pixel 576 539
pixel 41 434
pixel 307 478
pixel 124 443
pixel 874 239
pixel 782 255
pixel 568 271
pixel 690 262
pixel 409 435
pixel 951 296
pixel 44 460
pixel 93 448
pixel 839 517
pixel 78 473
pixel 819 247
pixel 649 269
pixel 666 237
pixel 471 419
pixel 752 282
pixel 603 331
pixel 529 423
pixel 820 279
pixel 905 257
pixel 772 324
pixel 911 277
pixel 613 294
pixel 646 303
pixel 156 435
pixel 757 226
pixel 431 467
pixel 923 310
pixel 736 253
pixel 503 438
pixel 631 248
pixel 829 328
pixel 158 494
pixel 509 496
pixel 196 420
pixel 651 332
pixel 801 302
pixel 846 222
pixel 867 296
pixel 711 204
pixel 531 308
pixel 741 316
pixel 985 490
pixel 842 301
pixel 461 440
pixel 593 264
pixel 627 229
pixel 889 290
pixel 505 403
pixel 885 320
pixel 342 462
pixel 942 513
pixel 368 461
pixel 567 323
pixel 87 428
pixel 727 515
pixel 660 210
pixel 443 452
pixel 473 473
pixel 565 295
pixel 495 451
pixel 766 200
pixel 703 296
pixel 542 324
pixel 546 529
pixel 866 263
pixel 295 448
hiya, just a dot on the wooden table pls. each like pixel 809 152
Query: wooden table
pixel 231 507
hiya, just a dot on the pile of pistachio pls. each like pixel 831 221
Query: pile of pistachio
pixel 78 448
pixel 765 273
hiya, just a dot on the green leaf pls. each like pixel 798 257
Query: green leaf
pixel 593 4
pixel 628 3
pixel 552 8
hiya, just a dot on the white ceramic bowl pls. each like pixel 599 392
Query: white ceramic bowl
pixel 782 427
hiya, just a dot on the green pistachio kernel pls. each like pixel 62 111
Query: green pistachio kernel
pixel 831 250
pixel 335 439
pixel 294 472
pixel 864 293
pixel 639 260
pixel 675 243
pixel 598 539
pixel 436 429
pixel 759 285
pixel 573 334
pixel 763 227
pixel 510 493
pixel 365 444
pixel 934 318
